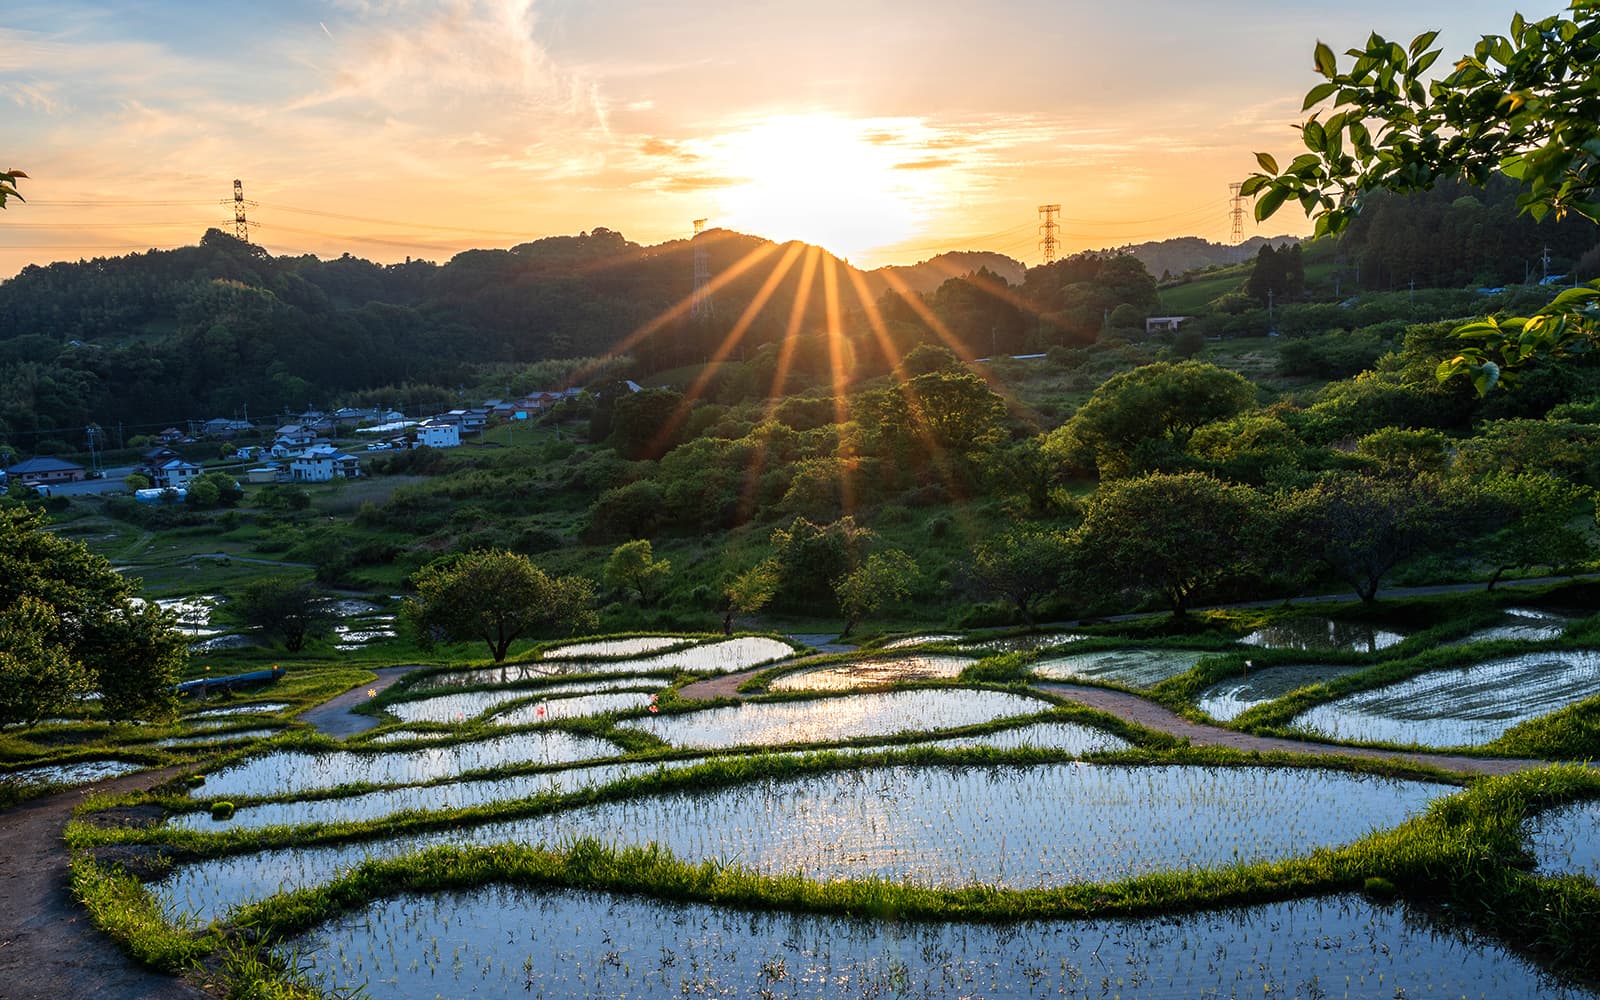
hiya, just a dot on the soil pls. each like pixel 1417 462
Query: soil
pixel 48 948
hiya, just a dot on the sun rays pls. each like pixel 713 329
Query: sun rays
pixel 831 306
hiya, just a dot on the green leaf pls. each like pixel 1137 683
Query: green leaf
pixel 1252 184
pixel 1315 138
pixel 1422 65
pixel 1422 41
pixel 1327 65
pixel 1268 164
pixel 1318 94
pixel 1271 202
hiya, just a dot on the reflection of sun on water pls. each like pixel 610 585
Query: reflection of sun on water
pixel 822 180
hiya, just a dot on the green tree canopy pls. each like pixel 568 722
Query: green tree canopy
pixel 1142 420
pixel 72 625
pixel 882 581
pixel 496 597
pixel 1522 104
pixel 1173 535
pixel 633 566
pixel 1023 566
pixel 1363 526
pixel 293 610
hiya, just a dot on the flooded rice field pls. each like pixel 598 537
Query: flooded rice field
pixel 1566 840
pixel 1229 699
pixel 925 639
pixel 828 720
pixel 258 708
pixel 1323 635
pixel 1466 706
pixel 294 771
pixel 1025 643
pixel 873 673
pixel 635 646
pixel 1520 624
pixel 80 773
pixel 1012 826
pixel 498 941
pixel 1133 667
pixel 574 707
pixel 1068 737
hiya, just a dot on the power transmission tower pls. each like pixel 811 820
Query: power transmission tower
pixel 1048 227
pixel 1237 212
pixel 700 305
pixel 241 225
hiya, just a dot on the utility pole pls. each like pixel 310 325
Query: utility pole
pixel 1271 323
pixel 1544 262
pixel 1411 294
pixel 1048 227
pixel 241 225
pixel 1237 211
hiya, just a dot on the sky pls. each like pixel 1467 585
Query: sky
pixel 887 132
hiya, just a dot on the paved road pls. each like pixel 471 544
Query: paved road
pixel 334 718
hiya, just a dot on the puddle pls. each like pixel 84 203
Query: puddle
pixel 828 720
pixel 873 673
pixel 1467 706
pixel 1323 635
pixel 1229 699
pixel 1134 667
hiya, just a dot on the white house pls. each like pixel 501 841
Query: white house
pixel 174 474
pixel 432 435
pixel 322 464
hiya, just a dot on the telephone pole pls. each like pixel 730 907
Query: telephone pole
pixel 1048 227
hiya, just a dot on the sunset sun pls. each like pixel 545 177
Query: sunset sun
pixel 821 179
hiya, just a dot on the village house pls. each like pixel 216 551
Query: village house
pixel 173 474
pixel 322 464
pixel 45 470
pixel 438 435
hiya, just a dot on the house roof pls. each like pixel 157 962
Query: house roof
pixel 177 463
pixel 44 463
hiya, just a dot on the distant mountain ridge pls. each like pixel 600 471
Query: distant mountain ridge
pixel 1187 253
pixel 927 275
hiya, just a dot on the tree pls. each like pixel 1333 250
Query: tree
pixel 69 624
pixel 1142 419
pixel 1172 534
pixel 292 609
pixel 1536 523
pixel 884 579
pixel 749 592
pixel 497 597
pixel 1362 527
pixel 1022 566
pixel 1520 104
pixel 633 566
pixel 8 185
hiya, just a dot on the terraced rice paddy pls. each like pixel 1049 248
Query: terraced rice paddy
pixel 925 639
pixel 258 708
pixel 1522 625
pixel 873 673
pixel 576 707
pixel 1025 643
pixel 497 941
pixel 1566 841
pixel 203 739
pixel 1231 698
pixel 830 719
pixel 80 773
pixel 1018 827
pixel 1133 667
pixel 1068 737
pixel 1460 707
pixel 294 772
pixel 634 646
pixel 1323 635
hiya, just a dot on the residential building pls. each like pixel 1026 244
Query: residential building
pixel 438 435
pixel 45 470
pixel 174 473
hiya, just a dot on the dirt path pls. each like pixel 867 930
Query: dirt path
pixel 334 718
pixel 48 948
pixel 1144 712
